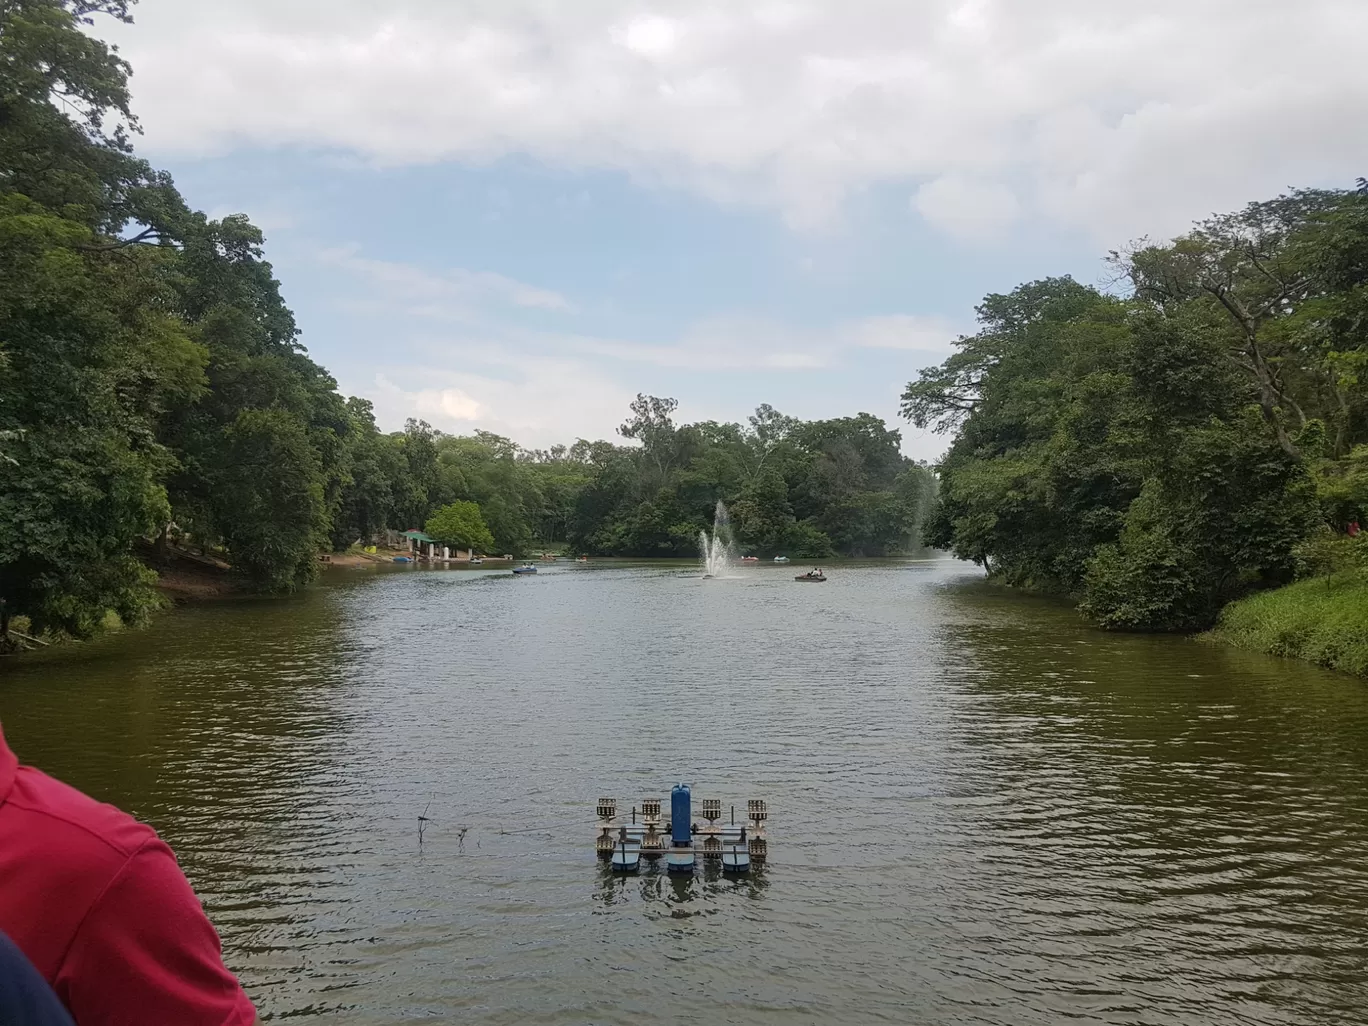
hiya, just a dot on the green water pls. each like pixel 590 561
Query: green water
pixel 981 811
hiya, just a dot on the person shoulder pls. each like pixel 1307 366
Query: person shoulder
pixel 72 822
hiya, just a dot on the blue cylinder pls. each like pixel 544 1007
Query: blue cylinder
pixel 681 815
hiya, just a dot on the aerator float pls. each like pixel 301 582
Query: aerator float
pixel 678 839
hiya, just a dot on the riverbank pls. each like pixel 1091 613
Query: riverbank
pixel 185 576
pixel 1322 621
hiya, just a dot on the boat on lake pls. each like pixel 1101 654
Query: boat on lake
pixel 781 559
pixel 476 561
pixel 526 568
pixel 750 559
pixel 815 575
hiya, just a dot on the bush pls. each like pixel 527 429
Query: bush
pixel 1322 621
pixel 1326 553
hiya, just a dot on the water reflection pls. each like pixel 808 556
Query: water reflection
pixel 687 895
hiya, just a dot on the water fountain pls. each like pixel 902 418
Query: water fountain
pixel 719 553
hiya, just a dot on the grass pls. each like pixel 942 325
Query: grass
pixel 1323 621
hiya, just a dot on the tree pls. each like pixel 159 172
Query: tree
pixel 651 425
pixel 89 366
pixel 460 524
pixel 269 499
pixel 1158 455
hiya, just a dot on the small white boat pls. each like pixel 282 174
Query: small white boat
pixel 476 561
pixel 781 559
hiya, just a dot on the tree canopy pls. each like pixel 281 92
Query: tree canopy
pixel 460 523
pixel 1158 453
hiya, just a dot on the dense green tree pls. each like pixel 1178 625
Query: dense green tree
pixel 269 480
pixel 803 488
pixel 1157 456
pixel 88 368
pixel 374 466
pixel 460 524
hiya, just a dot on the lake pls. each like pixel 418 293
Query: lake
pixel 981 811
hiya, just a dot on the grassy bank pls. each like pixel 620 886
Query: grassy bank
pixel 1323 621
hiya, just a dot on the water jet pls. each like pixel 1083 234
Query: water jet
pixel 719 550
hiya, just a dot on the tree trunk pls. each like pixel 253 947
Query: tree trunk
pixel 1270 396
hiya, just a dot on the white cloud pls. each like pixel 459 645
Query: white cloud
pixel 719 343
pixel 735 343
pixel 1120 118
pixel 933 335
pixel 451 292
pixel 538 402
pixel 971 210
pixel 462 368
pixel 650 36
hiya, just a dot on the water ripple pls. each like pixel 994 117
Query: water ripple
pixel 982 812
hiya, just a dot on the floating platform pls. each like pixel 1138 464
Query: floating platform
pixel 680 860
pixel 680 840
pixel 736 859
pixel 626 859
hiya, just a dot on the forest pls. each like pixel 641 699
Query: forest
pixel 154 388
pixel 1194 433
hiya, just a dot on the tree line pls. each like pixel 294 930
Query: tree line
pixel 1195 433
pixel 153 382
pixel 806 488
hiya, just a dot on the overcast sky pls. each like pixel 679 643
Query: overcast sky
pixel 516 214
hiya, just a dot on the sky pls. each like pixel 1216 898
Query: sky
pixel 514 215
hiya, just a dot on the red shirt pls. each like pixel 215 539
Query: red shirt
pixel 99 905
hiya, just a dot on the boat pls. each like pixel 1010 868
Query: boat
pixel 582 559
pixel 781 559
pixel 476 561
pixel 815 575
pixel 526 568
pixel 402 559
pixel 750 559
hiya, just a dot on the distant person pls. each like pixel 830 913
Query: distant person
pixel 1353 529
pixel 25 997
pixel 97 903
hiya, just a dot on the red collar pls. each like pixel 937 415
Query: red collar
pixel 9 766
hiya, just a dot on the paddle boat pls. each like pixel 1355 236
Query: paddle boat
pixel 814 575
pixel 526 568
pixel 476 561
pixel 402 559
pixel 781 559
pixel 750 559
